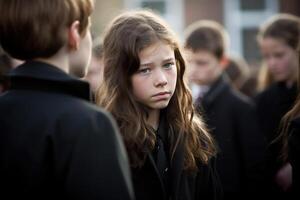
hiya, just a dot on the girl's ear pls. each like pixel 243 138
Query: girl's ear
pixel 74 36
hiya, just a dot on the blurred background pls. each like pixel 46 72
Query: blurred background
pixel 241 18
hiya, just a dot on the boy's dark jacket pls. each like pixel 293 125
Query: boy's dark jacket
pixel 232 120
pixel 54 143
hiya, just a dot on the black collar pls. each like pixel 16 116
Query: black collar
pixel 217 88
pixel 34 75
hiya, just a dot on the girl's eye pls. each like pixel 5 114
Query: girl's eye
pixel 144 71
pixel 168 65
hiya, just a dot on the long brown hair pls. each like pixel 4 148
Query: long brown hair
pixel 126 36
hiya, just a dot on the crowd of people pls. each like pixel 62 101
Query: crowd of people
pixel 135 114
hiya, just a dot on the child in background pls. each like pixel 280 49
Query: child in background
pixel 229 114
pixel 278 39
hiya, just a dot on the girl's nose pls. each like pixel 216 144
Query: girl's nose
pixel 161 79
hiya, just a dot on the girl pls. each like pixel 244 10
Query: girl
pixel 169 148
pixel 278 40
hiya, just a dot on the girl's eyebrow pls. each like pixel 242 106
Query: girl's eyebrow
pixel 169 60
pixel 146 64
pixel 151 63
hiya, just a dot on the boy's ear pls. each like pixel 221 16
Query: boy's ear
pixel 74 36
pixel 224 62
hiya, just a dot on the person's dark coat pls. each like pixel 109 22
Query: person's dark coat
pixel 272 104
pixel 54 143
pixel 181 185
pixel 232 120
pixel 294 156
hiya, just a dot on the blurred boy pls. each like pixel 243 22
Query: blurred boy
pixel 229 114
pixel 54 143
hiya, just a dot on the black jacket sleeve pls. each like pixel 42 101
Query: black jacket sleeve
pixel 97 166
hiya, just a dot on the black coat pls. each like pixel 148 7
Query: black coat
pixel 54 143
pixel 272 104
pixel 232 120
pixel 294 155
pixel 203 184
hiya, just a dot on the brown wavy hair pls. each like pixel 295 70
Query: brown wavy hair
pixel 125 37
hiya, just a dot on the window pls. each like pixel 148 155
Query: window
pixel 250 46
pixel 159 6
pixel 252 5
pixel 170 10
pixel 242 20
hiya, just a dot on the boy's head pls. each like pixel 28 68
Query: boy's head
pixel 39 29
pixel 205 45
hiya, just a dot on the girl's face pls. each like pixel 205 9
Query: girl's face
pixel 280 58
pixel 155 81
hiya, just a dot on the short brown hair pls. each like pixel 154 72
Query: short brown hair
pixel 208 36
pixel 32 29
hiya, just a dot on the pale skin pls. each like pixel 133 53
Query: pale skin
pixel 280 59
pixel 284 177
pixel 203 67
pixel 155 81
pixel 95 73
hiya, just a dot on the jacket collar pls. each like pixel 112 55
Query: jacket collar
pixel 35 75
pixel 177 162
pixel 162 132
pixel 217 88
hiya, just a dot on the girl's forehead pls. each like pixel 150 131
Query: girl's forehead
pixel 158 50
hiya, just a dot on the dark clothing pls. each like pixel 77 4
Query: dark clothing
pixel 294 156
pixel 161 155
pixel 182 185
pixel 272 104
pixel 232 120
pixel 54 143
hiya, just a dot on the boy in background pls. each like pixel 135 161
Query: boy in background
pixel 229 114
